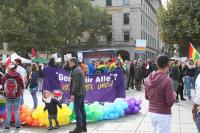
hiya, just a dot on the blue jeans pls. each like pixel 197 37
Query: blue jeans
pixel 80 113
pixel 197 122
pixel 35 100
pixel 33 92
pixel 189 81
pixel 9 104
pixel 22 100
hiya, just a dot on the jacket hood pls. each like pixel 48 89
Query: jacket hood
pixel 154 79
pixel 13 74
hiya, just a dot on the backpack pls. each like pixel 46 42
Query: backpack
pixel 11 87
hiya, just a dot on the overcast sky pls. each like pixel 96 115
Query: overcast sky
pixel 164 2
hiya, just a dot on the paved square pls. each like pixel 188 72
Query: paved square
pixel 181 120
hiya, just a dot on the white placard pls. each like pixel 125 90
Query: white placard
pixel 141 43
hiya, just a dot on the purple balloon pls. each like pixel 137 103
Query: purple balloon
pixel 127 111
pixel 136 110
pixel 138 102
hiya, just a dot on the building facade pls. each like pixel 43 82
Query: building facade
pixel 131 20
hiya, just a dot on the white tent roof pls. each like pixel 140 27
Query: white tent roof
pixel 15 56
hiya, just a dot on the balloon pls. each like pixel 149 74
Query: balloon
pixel 41 122
pixel 23 117
pixel 36 123
pixel 24 108
pixel 28 120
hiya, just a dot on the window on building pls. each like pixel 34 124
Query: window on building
pixel 126 2
pixel 111 21
pixel 141 20
pixel 126 18
pixel 92 35
pixel 127 36
pixel 108 2
pixel 109 37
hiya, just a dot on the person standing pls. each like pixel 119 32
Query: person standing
pixel 84 67
pixel 40 77
pixel 22 71
pixel 13 86
pixel 126 67
pixel 77 93
pixel 91 68
pixel 132 75
pixel 159 92
pixel 175 75
pixel 197 71
pixel 139 75
pixel 66 66
pixel 102 68
pixel 33 78
pixel 189 72
pixel 196 105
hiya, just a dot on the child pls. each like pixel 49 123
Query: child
pixel 51 106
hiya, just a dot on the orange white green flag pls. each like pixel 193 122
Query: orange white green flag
pixel 193 53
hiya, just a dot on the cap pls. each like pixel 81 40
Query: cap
pixel 18 60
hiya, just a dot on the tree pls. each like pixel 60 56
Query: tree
pixel 50 25
pixel 179 23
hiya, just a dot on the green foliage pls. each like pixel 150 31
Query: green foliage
pixel 179 23
pixel 49 24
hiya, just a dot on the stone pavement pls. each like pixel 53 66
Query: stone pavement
pixel 181 120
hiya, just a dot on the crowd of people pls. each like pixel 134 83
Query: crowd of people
pixel 174 75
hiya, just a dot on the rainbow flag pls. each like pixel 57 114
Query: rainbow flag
pixel 193 53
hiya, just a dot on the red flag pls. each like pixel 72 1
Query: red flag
pixel 8 62
pixel 33 53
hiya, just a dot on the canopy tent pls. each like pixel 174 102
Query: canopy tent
pixel 15 56
pixel 40 60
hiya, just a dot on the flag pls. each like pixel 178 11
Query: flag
pixel 193 53
pixel 33 53
pixel 8 62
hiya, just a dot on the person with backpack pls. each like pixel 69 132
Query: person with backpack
pixel 22 71
pixel 13 86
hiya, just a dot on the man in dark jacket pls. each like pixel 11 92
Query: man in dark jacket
pixel 15 101
pixel 132 75
pixel 78 92
pixel 139 75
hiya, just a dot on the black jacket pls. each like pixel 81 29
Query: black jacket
pixel 189 70
pixel 132 70
pixel 40 73
pixel 175 73
pixel 52 106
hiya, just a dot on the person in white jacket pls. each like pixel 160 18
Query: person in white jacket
pixel 196 105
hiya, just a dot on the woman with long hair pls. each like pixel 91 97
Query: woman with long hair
pixel 34 84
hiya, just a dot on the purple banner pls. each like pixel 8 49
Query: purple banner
pixel 103 88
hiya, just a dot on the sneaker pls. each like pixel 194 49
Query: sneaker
pixel 56 127
pixel 84 129
pixel 50 128
pixel 76 130
pixel 18 127
pixel 7 128
pixel 183 99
